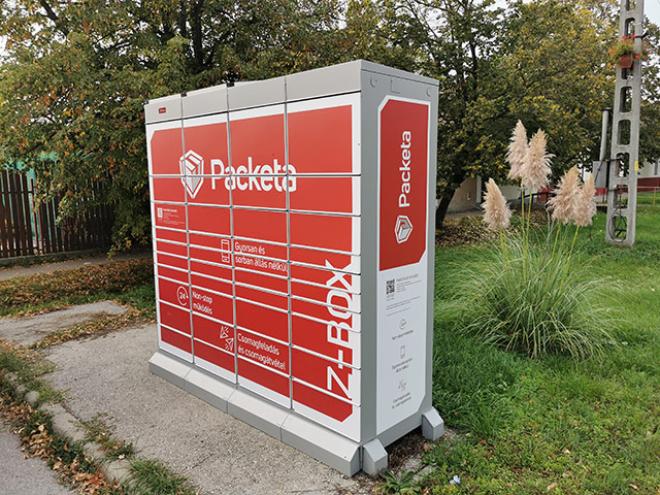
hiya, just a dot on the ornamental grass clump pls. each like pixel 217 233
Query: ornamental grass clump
pixel 535 294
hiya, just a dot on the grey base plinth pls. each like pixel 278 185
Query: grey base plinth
pixel 374 458
pixel 316 441
pixel 433 426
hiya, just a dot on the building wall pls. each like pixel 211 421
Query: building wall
pixel 469 195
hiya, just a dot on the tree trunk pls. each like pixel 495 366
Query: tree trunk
pixel 443 206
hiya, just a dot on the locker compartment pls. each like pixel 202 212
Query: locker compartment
pixel 333 295
pixel 169 215
pixel 166 150
pixel 267 352
pixel 173 261
pixel 255 279
pixel 209 219
pixel 261 297
pixel 172 273
pixel 171 248
pixel 335 233
pixel 266 321
pixel 173 317
pixel 333 378
pixel 211 270
pixel 328 260
pixel 264 382
pixel 268 226
pixel 331 339
pixel 168 189
pixel 213 332
pixel 326 194
pixel 212 305
pixel 175 293
pixel 310 150
pixel 325 313
pixel 176 340
pixel 214 360
pixel 211 284
pixel 171 235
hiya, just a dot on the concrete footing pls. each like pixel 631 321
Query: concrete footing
pixel 337 451
pixel 320 443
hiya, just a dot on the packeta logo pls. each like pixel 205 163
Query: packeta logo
pixel 403 227
pixel 192 170
pixel 264 177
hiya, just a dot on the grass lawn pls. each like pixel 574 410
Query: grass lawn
pixel 553 425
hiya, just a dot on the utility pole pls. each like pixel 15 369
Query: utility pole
pixel 623 164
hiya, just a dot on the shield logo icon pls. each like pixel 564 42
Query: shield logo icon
pixel 403 229
pixel 192 169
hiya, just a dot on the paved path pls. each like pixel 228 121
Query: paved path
pixel 216 452
pixel 21 476
pixel 7 273
pixel 27 331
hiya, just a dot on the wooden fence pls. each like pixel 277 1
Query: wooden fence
pixel 31 229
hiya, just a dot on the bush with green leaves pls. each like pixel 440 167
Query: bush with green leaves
pixel 537 300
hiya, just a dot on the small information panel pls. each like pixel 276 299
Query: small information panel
pixel 278 208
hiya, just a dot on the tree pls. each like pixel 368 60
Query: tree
pixel 77 74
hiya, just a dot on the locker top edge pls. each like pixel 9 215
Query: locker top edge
pixel 316 83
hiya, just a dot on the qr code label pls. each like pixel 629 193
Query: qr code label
pixel 389 287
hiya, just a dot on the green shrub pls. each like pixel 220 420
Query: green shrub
pixel 536 298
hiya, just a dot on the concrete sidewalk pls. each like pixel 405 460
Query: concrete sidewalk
pixel 218 453
pixel 10 272
pixel 21 476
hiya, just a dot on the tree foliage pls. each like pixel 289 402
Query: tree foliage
pixel 75 76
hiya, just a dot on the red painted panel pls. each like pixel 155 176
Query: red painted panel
pixel 269 322
pixel 262 350
pixel 213 305
pixel 171 235
pixel 263 281
pixel 165 271
pixel 214 356
pixel 311 150
pixel 403 194
pixel 323 231
pixel 211 284
pixel 166 149
pixel 174 293
pixel 262 297
pixel 172 216
pixel 263 225
pixel 324 403
pixel 264 377
pixel 172 261
pixel 222 272
pixel 213 332
pixel 209 219
pixel 327 375
pixel 328 194
pixel 176 339
pixel 176 318
pixel 329 339
pixel 168 189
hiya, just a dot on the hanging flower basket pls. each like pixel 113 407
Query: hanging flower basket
pixel 626 61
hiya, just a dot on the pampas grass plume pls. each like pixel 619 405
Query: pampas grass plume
pixel 517 152
pixel 497 213
pixel 536 168
pixel 567 196
pixel 585 208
